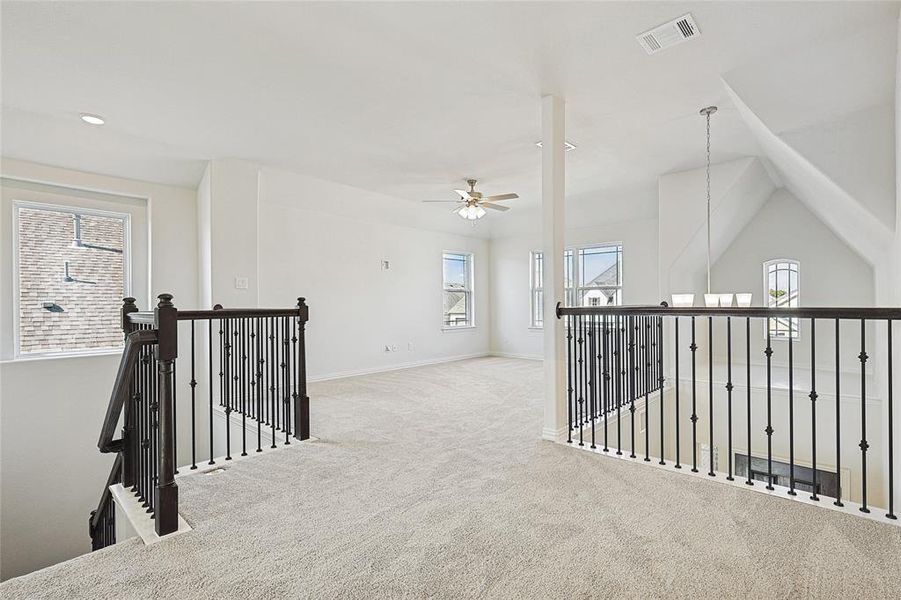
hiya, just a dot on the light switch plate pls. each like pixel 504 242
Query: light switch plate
pixel 240 283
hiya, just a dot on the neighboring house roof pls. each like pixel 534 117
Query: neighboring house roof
pixel 90 299
pixel 607 278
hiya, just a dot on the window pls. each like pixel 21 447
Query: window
pixel 782 290
pixel 457 290
pixel 592 276
pixel 71 276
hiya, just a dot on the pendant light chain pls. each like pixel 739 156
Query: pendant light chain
pixel 708 202
pixel 707 112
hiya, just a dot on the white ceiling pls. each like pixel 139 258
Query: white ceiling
pixel 406 99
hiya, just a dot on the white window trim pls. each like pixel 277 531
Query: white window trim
pixel 576 274
pixel 470 263
pixel 18 355
pixel 766 296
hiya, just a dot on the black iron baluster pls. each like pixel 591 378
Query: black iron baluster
pixel 226 387
pixel 193 385
pixel 729 388
pixel 592 384
pixel 154 430
pixel 294 363
pixel 243 386
pixel 580 377
pixel 235 368
pixel 891 426
pixel 266 370
pixel 660 382
pixel 569 376
pixel 710 471
pixel 863 414
pixel 140 400
pixel 791 410
pixel 633 332
pixel 619 385
pixel 677 385
pixel 748 387
pixel 606 380
pixel 646 376
pixel 210 375
pixel 259 382
pixel 813 403
pixel 838 420
pixel 286 392
pixel 273 381
pixel 694 408
pixel 769 409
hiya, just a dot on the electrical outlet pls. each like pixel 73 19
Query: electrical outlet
pixel 241 283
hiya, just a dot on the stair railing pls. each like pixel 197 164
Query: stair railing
pixel 261 376
pixel 727 395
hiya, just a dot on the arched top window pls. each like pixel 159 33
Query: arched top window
pixel 782 289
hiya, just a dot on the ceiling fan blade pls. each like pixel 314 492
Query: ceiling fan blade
pixel 501 197
pixel 494 206
pixel 463 194
pixel 454 201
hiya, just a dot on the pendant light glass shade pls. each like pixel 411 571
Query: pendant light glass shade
pixel 683 300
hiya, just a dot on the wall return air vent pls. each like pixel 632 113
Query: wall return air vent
pixel 669 34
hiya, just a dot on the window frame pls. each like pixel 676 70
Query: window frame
pixel 794 322
pixel 572 273
pixel 70 209
pixel 469 290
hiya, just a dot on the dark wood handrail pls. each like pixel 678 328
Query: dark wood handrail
pixel 133 343
pixel 238 313
pixel 146 317
pixel 868 313
pixel 114 477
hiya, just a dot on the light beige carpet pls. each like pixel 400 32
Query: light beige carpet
pixel 432 482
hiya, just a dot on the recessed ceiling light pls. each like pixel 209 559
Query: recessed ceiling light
pixel 567 146
pixel 92 119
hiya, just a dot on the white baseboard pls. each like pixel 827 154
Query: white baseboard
pixel 514 355
pixel 553 435
pixel 397 367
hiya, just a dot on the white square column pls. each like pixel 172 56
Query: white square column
pixel 552 243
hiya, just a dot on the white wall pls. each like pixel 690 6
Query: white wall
pixel 510 297
pixel 293 235
pixel 356 308
pixel 831 274
pixel 52 409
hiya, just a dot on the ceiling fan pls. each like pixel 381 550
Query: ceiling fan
pixel 472 204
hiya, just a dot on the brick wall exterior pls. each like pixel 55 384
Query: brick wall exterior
pixel 90 317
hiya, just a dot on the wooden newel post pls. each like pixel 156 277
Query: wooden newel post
pixel 166 321
pixel 129 443
pixel 301 400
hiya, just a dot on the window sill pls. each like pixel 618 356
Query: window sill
pixel 458 328
pixel 85 354
pixel 533 328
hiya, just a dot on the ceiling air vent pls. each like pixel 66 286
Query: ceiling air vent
pixel 669 34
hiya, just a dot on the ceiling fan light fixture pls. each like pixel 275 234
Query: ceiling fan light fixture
pixel 471 212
